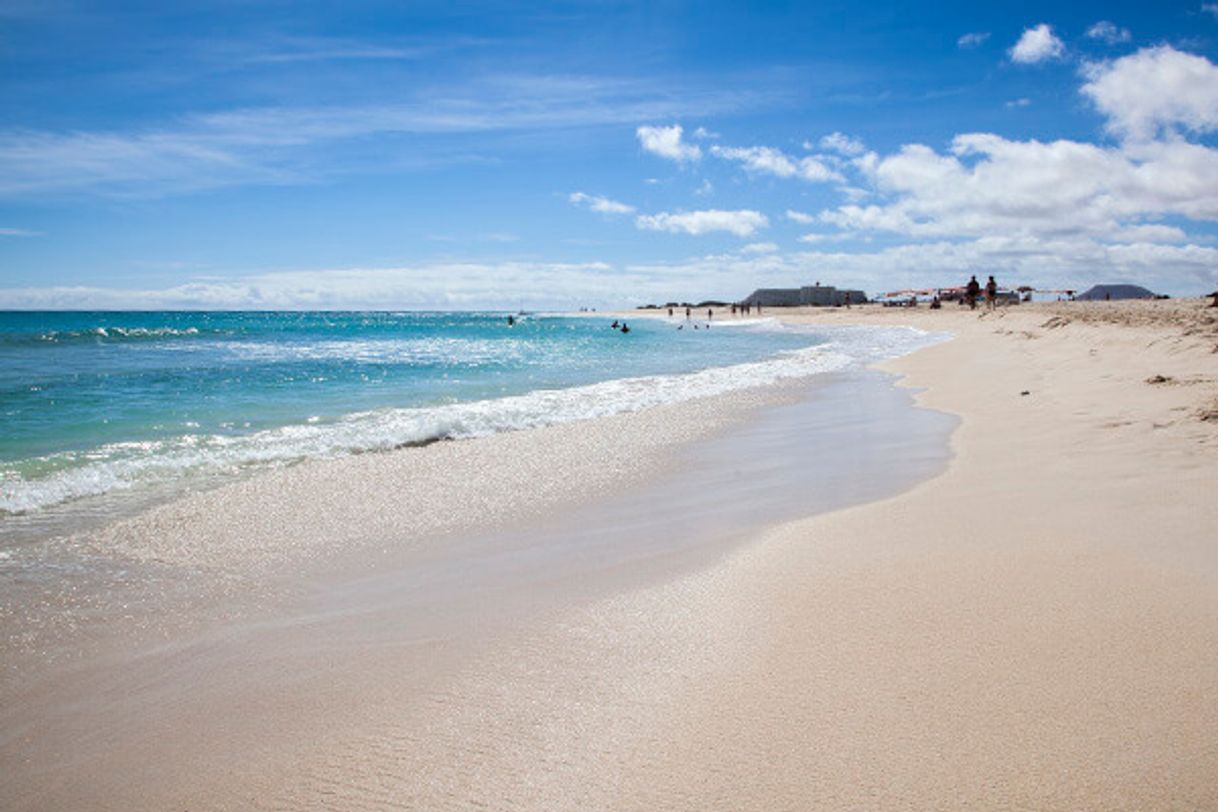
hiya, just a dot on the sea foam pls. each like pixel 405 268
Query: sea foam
pixel 69 475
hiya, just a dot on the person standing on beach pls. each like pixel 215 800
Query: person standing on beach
pixel 991 294
pixel 971 291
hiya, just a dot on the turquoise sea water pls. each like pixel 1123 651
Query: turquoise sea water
pixel 94 403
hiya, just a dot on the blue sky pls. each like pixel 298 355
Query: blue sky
pixel 496 155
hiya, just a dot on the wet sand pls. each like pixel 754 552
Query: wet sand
pixel 1034 627
pixel 270 616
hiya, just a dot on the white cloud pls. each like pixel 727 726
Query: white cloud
pixel 843 144
pixel 973 39
pixel 770 161
pixel 1109 33
pixel 705 188
pixel 600 204
pixel 866 163
pixel 666 142
pixel 1153 90
pixel 799 217
pixel 742 223
pixel 989 185
pixel 19 232
pixel 1211 8
pixel 759 248
pixel 1177 269
pixel 456 285
pixel 298 145
pixel 1018 103
pixel 853 193
pixel 834 237
pixel 1037 44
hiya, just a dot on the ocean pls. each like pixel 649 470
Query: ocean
pixel 103 411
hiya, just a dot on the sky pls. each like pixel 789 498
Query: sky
pixel 487 155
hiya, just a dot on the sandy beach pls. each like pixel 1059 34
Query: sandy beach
pixel 1030 623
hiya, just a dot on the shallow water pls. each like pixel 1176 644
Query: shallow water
pixel 105 414
pixel 383 624
pixel 840 440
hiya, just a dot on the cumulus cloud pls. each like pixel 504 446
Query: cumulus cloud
pixel 1109 33
pixel 1155 90
pixel 600 204
pixel 800 217
pixel 972 39
pixel 666 142
pixel 1037 44
pixel 742 223
pixel 988 185
pixel 770 161
pixel 1064 198
pixel 842 144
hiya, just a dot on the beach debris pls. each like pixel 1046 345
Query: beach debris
pixel 1155 379
pixel 1055 322
pixel 1024 393
pixel 423 443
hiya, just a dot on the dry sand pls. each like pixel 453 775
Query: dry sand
pixel 1037 628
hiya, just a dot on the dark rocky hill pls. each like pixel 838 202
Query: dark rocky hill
pixel 1114 292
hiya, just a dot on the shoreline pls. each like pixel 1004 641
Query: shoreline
pixel 321 590
pixel 1036 626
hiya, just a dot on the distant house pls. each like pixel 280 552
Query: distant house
pixel 1100 293
pixel 816 295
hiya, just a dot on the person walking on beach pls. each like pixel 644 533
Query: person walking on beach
pixel 971 291
pixel 991 294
